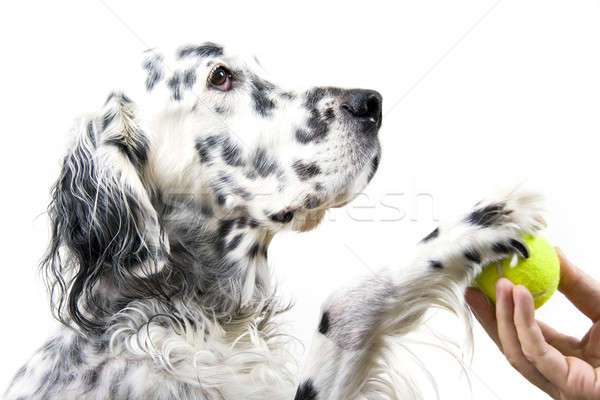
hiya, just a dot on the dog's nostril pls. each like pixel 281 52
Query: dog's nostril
pixel 363 104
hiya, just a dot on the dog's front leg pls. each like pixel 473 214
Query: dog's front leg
pixel 348 350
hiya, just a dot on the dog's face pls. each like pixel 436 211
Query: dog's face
pixel 232 139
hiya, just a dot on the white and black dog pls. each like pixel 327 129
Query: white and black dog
pixel 161 220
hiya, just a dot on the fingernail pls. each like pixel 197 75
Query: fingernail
pixel 504 281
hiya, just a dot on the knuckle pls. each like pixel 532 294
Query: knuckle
pixel 533 354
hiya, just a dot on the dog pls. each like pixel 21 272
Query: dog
pixel 161 220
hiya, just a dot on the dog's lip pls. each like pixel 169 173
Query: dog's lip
pixel 342 204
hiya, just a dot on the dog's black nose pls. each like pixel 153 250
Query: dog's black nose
pixel 364 105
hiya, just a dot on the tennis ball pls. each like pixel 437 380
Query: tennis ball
pixel 540 273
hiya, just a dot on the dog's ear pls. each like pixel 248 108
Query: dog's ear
pixel 106 243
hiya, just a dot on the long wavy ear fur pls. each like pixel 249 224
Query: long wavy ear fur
pixel 106 245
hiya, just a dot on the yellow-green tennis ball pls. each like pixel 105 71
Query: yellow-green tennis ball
pixel 540 273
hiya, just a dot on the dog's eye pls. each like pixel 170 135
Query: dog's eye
pixel 220 79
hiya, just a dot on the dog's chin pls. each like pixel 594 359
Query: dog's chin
pixel 350 191
pixel 308 220
pixel 347 199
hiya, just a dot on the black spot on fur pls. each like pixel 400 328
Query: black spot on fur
pixel 203 150
pixel 435 264
pixel 152 79
pixel 175 86
pixel 303 136
pixel 488 215
pixel 324 324
pixel 263 164
pixel 306 170
pixel 189 78
pixel 212 141
pixel 231 153
pixel 226 227
pixel 253 251
pixel 206 50
pixel 204 145
pixel 316 119
pixel 473 255
pixel 235 242
pixel 306 391
pixel 262 103
pixel 318 128
pixel 435 233
pixel 153 67
pixel 283 217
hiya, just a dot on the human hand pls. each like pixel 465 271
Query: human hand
pixel 563 366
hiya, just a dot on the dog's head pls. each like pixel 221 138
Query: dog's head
pixel 282 156
pixel 152 191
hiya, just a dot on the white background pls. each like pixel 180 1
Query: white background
pixel 477 94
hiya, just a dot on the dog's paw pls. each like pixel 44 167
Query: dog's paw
pixel 491 231
pixel 498 224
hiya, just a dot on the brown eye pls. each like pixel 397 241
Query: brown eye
pixel 220 79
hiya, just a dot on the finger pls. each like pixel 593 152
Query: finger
pixel 581 289
pixel 591 346
pixel 548 360
pixel 511 347
pixel 483 309
pixel 567 345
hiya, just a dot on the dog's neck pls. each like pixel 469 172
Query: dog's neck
pixel 223 257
